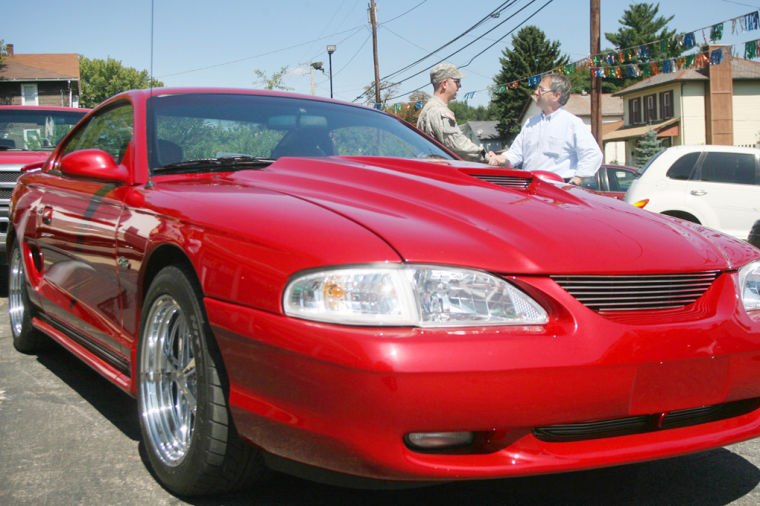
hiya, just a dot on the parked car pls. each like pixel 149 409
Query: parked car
pixel 611 180
pixel 28 134
pixel 716 186
pixel 314 286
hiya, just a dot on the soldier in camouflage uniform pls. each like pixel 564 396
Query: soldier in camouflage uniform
pixel 437 120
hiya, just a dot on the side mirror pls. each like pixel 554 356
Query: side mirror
pixel 94 164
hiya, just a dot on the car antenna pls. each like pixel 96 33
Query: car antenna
pixel 150 183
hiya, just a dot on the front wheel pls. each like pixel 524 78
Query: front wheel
pixel 26 338
pixel 191 442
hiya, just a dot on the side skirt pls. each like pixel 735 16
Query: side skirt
pixel 112 366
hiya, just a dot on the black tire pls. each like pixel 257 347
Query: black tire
pixel 754 235
pixel 185 422
pixel 26 338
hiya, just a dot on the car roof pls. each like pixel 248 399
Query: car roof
pixel 713 147
pixel 43 108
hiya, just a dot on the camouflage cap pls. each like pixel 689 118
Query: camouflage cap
pixel 444 71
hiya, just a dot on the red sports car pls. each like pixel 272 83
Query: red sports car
pixel 316 287
pixel 28 134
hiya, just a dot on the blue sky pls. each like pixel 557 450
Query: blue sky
pixel 220 43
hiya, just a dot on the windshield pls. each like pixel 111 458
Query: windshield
pixel 35 129
pixel 204 127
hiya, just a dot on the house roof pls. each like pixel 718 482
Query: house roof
pixel 40 67
pixel 637 131
pixel 580 105
pixel 741 69
pixel 484 129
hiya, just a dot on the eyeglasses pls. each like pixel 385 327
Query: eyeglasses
pixel 543 90
pixel 456 81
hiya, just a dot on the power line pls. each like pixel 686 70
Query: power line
pixel 475 40
pixel 494 13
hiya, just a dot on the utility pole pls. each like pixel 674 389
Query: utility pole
pixel 373 21
pixel 596 83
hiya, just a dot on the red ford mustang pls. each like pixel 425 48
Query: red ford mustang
pixel 314 286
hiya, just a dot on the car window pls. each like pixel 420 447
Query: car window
pixel 200 126
pixel 737 168
pixel 620 179
pixel 35 129
pixel 591 183
pixel 110 130
pixel 683 167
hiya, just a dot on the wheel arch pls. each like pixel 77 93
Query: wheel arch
pixel 166 255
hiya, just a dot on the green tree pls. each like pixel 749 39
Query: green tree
pixel 3 51
pixel 646 147
pixel 387 90
pixel 408 111
pixel 531 54
pixel 273 82
pixel 641 24
pixel 465 113
pixel 101 79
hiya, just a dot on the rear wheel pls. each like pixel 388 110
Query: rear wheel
pixel 26 338
pixel 184 418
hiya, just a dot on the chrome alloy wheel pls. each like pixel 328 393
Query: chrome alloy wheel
pixel 16 282
pixel 169 384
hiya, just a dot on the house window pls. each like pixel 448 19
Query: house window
pixel 634 111
pixel 29 94
pixel 666 104
pixel 650 108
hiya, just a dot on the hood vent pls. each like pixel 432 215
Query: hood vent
pixel 519 183
pixel 637 293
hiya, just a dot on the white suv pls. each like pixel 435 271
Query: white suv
pixel 716 186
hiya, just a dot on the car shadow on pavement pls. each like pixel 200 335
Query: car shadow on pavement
pixel 712 477
pixel 111 402
pixel 709 478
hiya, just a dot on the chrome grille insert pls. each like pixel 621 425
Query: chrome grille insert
pixel 636 293
pixel 507 181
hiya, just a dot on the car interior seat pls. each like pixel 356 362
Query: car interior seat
pixel 305 141
pixel 168 152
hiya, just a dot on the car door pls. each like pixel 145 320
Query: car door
pixel 728 183
pixel 77 222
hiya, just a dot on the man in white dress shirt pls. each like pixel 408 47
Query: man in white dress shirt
pixel 554 140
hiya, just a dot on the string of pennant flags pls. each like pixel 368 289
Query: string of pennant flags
pixel 637 61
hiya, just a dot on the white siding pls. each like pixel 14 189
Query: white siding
pixel 746 106
pixel 692 106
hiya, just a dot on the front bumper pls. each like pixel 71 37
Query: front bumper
pixel 343 398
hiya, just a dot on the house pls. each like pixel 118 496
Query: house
pixel 39 79
pixel 716 104
pixel 485 133
pixel 612 119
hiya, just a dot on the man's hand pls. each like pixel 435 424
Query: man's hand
pixel 576 180
pixel 494 159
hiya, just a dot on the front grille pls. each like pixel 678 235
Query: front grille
pixel 645 423
pixel 9 176
pixel 636 293
pixel 507 181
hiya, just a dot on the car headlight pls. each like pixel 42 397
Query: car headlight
pixel 409 295
pixel 749 286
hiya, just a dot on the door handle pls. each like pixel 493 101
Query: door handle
pixel 698 193
pixel 47 215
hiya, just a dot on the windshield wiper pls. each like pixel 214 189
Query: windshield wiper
pixel 223 163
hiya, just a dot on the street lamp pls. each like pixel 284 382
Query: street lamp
pixel 330 51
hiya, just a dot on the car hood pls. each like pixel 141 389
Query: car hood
pixel 20 158
pixel 461 213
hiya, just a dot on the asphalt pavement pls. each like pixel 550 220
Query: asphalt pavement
pixel 67 436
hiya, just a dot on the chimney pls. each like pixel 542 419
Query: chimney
pixel 719 108
pixel 9 49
